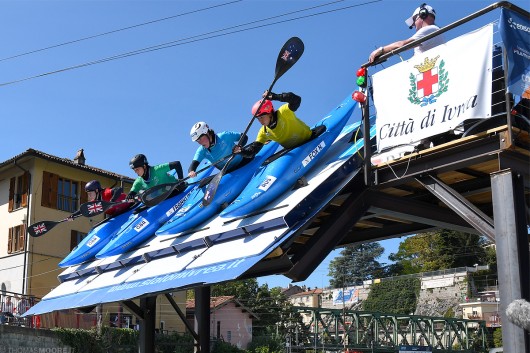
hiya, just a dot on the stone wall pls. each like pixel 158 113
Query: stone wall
pixel 440 294
pixel 14 339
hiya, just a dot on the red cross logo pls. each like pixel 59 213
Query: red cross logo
pixel 425 81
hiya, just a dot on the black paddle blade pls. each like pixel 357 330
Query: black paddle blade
pixel 158 193
pixel 291 51
pixel 211 189
pixel 94 208
pixel 40 228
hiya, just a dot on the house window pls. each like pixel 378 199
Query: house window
pixel 16 239
pixel 67 195
pixel 75 238
pixel 229 336
pixel 18 192
pixel 61 193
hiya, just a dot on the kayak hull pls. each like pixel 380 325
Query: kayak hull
pixel 274 179
pixel 95 240
pixel 193 213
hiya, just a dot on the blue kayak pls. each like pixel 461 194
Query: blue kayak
pixel 95 240
pixel 141 226
pixel 192 213
pixel 277 177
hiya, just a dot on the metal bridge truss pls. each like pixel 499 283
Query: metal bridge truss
pixel 358 331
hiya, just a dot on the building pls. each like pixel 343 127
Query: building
pixel 484 307
pixel 230 321
pixel 37 186
pixel 311 298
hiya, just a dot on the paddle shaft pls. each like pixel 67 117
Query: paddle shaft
pixel 284 62
pixel 40 228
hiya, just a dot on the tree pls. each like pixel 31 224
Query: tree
pixel 356 263
pixel 432 251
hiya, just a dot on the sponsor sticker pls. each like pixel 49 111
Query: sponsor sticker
pixel 92 241
pixel 313 153
pixel 266 184
pixel 143 223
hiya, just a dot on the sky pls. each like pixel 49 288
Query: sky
pixel 69 79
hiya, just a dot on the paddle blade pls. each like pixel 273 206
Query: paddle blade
pixel 94 208
pixel 291 51
pixel 40 228
pixel 158 193
pixel 211 189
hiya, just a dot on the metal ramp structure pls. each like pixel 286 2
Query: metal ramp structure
pixel 479 183
pixel 222 249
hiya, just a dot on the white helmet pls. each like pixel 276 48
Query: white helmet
pixel 198 130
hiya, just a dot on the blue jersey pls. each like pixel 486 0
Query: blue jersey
pixel 224 142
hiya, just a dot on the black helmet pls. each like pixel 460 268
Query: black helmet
pixel 93 185
pixel 138 161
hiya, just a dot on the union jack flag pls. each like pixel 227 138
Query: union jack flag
pixel 39 228
pixel 95 208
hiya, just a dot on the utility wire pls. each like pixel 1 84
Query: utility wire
pixel 117 30
pixel 196 38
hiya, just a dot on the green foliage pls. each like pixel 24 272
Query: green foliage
pixel 268 343
pixel 450 313
pixel 224 347
pixel 120 340
pixel 356 263
pixel 81 341
pixel 497 337
pixel 395 297
pixel 174 343
pixel 432 251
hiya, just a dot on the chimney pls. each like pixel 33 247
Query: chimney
pixel 80 157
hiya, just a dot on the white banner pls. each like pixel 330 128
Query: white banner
pixel 435 91
pixel 350 295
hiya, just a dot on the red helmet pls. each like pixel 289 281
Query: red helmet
pixel 266 108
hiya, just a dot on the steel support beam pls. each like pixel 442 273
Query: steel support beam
pixel 202 318
pixel 147 325
pixel 465 209
pixel 415 211
pixel 328 236
pixel 511 239
pixel 182 316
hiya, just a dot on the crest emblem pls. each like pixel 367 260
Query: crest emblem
pixel 431 82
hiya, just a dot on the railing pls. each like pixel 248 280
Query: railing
pixel 502 102
pixel 13 306
pixel 336 329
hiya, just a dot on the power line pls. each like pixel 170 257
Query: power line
pixel 117 30
pixel 196 38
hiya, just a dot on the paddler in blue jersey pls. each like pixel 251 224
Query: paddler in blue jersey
pixel 281 125
pixel 149 176
pixel 214 147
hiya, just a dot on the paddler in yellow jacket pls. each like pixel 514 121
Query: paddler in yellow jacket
pixel 281 125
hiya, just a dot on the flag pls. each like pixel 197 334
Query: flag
pixel 515 32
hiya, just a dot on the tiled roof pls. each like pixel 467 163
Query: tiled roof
pixel 214 301
pixel 217 302
pixel 309 292
pixel 65 161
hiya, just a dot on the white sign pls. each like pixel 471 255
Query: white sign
pixel 435 91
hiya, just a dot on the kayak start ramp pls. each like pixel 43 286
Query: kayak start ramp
pixel 219 250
